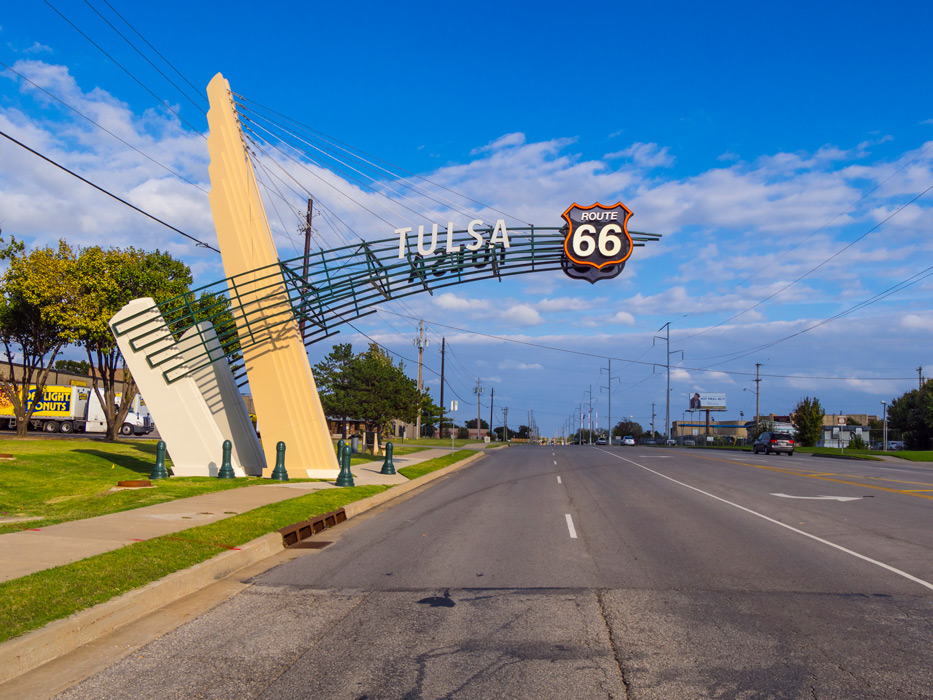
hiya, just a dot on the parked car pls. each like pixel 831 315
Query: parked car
pixel 602 440
pixel 651 442
pixel 628 440
pixel 778 443
pixel 689 442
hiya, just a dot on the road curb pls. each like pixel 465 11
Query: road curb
pixel 33 649
pixel 22 654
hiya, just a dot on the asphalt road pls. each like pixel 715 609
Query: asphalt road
pixel 584 572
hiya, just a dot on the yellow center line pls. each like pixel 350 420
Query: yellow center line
pixel 822 477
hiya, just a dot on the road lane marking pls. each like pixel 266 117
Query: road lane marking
pixel 573 533
pixel 555 462
pixel 559 481
pixel 817 475
pixel 842 499
pixel 855 554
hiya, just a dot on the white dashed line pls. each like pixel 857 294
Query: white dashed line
pixel 573 533
pixel 555 462
pixel 559 481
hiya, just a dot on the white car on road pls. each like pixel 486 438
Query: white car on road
pixel 628 440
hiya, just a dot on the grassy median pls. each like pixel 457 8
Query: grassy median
pixel 416 470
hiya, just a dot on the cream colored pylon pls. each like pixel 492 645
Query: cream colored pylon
pixel 284 394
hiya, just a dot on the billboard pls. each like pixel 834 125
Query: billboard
pixel 708 401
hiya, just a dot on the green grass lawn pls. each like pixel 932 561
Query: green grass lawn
pixel 426 467
pixel 912 455
pixel 32 601
pixel 57 480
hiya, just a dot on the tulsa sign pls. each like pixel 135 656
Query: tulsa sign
pixel 596 244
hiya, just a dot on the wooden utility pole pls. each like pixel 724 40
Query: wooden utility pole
pixel 920 377
pixel 305 264
pixel 757 387
pixel 492 400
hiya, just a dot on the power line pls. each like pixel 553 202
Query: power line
pixel 654 364
pixel 163 103
pixel 103 128
pixel 200 244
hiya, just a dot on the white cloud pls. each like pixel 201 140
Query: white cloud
pixel 521 366
pixel 623 317
pixel 507 141
pixel 522 314
pixel 645 155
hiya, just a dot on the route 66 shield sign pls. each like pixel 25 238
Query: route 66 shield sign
pixel 597 237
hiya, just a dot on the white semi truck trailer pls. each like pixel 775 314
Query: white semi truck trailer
pixel 75 409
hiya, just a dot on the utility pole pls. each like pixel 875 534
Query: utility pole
pixel 590 414
pixel 421 344
pixel 652 421
pixel 478 390
pixel 305 264
pixel 492 401
pixel 920 377
pixel 667 399
pixel 757 387
pixel 505 424
pixel 608 389
pixel 443 348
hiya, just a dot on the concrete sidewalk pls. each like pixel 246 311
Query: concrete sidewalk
pixel 23 553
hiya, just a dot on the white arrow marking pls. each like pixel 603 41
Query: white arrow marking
pixel 820 498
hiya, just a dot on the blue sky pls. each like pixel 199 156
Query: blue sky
pixel 760 140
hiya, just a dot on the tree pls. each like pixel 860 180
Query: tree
pixel 380 391
pixel 628 427
pixel 912 415
pixel 808 421
pixel 73 367
pixel 106 280
pixel 33 290
pixel 430 413
pixel 483 425
pixel 524 432
pixel 333 383
pixel 853 421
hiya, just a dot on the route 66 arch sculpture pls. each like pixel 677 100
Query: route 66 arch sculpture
pixel 179 353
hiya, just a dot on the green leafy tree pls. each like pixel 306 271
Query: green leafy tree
pixel 105 281
pixel 628 427
pixel 333 383
pixel 430 413
pixel 912 415
pixel 808 421
pixel 380 390
pixel 852 421
pixel 857 443
pixel 73 366
pixel 33 290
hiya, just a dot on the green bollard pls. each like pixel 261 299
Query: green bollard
pixel 340 443
pixel 279 473
pixel 345 478
pixel 226 469
pixel 158 471
pixel 387 466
